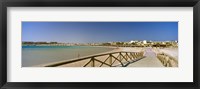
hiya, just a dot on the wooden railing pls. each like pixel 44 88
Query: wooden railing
pixel 108 59
pixel 167 60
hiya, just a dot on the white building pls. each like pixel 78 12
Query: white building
pixel 132 42
pixel 144 42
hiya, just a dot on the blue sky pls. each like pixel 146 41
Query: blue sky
pixel 94 32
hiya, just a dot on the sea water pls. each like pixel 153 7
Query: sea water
pixel 37 55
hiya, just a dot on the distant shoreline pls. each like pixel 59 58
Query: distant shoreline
pixel 71 46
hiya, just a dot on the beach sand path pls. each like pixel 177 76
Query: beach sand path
pixel 150 60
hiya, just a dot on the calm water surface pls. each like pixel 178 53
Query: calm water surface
pixel 36 55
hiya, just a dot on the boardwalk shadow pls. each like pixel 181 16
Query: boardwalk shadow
pixel 130 62
pixel 133 61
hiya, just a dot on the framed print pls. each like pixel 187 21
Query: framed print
pixel 99 44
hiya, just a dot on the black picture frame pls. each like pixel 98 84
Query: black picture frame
pixel 98 3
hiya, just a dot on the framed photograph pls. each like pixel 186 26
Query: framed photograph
pixel 99 43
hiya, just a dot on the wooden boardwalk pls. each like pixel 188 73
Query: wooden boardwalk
pixel 150 60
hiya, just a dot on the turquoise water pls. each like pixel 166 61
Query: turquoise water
pixel 36 55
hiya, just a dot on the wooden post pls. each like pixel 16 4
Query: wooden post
pixel 136 55
pixel 133 55
pixel 129 56
pixel 93 62
pixel 126 56
pixel 120 56
pixel 110 60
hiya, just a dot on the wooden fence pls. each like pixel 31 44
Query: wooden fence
pixel 113 59
pixel 167 60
